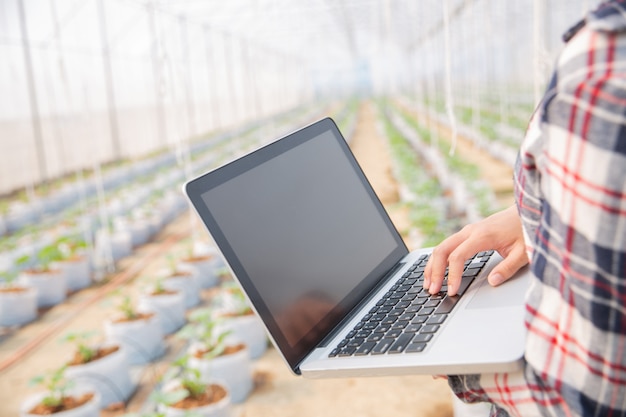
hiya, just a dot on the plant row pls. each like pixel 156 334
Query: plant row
pixel 442 191
pixel 41 266
pixel 210 372
pixel 214 340
pixel 485 128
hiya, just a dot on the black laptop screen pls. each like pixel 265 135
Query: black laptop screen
pixel 302 231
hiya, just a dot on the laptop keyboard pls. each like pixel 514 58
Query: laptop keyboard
pixel 407 317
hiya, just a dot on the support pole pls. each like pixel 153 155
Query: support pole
pixel 108 78
pixel 159 77
pixel 32 94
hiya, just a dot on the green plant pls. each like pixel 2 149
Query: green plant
pixel 126 306
pixel 71 245
pixel 171 264
pixel 56 385
pixel 8 277
pixel 204 328
pixel 235 299
pixel 56 251
pixel 191 384
pixel 44 257
pixel 83 349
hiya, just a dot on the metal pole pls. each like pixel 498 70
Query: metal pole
pixel 108 77
pixel 159 78
pixel 212 73
pixel 32 94
pixel 188 82
pixel 230 69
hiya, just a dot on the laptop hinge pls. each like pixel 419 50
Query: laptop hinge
pixel 331 335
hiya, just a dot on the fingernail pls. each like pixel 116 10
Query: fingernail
pixel 426 282
pixel 496 279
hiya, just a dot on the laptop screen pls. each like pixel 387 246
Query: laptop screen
pixel 302 231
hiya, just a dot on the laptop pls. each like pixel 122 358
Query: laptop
pixel 323 266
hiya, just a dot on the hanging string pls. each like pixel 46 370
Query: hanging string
pixel 449 103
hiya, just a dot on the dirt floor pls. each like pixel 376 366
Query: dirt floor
pixel 34 348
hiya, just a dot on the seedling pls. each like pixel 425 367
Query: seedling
pixel 84 350
pixel 204 328
pixel 56 385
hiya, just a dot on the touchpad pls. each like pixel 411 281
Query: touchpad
pixel 511 293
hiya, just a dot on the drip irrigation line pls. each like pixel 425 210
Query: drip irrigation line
pixel 117 281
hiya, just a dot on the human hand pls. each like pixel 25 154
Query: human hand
pixel 501 231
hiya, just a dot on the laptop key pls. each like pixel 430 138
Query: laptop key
pixel 401 343
pixel 400 324
pixel 415 347
pixel 422 337
pixel 447 304
pixel 412 328
pixel 436 319
pixel 347 351
pixel 430 328
pixel 393 333
pixel 465 282
pixel 375 337
pixel 382 346
pixel 365 348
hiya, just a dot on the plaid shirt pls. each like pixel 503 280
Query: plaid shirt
pixel 571 194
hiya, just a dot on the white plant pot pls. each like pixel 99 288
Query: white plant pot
pixel 235 370
pixel 109 375
pixel 187 283
pixel 138 229
pixel 203 268
pixel 89 409
pixel 112 245
pixel 221 408
pixel 249 329
pixel 18 307
pixel 51 286
pixel 77 272
pixel 169 309
pixel 142 338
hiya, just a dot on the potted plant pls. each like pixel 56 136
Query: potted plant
pixel 185 393
pixel 104 366
pixel 183 281
pixel 111 245
pixel 216 354
pixel 50 283
pixel 62 398
pixel 202 266
pixel 237 317
pixel 139 332
pixel 18 302
pixel 74 262
pixel 167 304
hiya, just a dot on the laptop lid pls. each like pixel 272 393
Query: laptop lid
pixel 302 231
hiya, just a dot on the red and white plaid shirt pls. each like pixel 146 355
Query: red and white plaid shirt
pixel 571 194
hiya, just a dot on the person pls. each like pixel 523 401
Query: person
pixel 569 225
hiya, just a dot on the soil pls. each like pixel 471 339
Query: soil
pixel 12 289
pixel 68 403
pixel 163 292
pixel 197 258
pixel 100 353
pixel 138 316
pixel 228 350
pixel 213 394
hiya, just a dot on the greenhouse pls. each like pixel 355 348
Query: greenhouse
pixel 109 107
